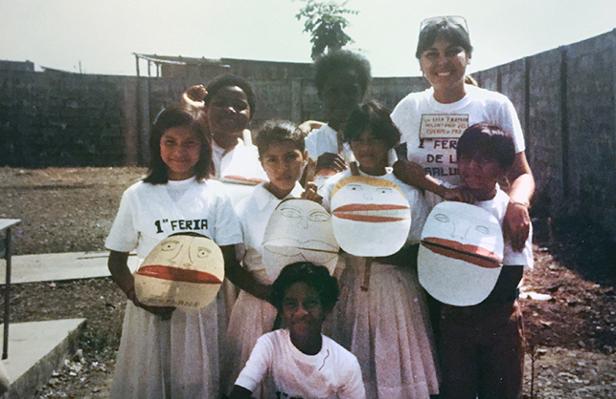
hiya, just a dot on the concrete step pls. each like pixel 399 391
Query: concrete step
pixel 35 350
pixel 59 266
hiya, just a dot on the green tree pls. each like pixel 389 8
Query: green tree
pixel 326 22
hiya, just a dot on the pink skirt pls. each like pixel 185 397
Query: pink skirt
pixel 388 328
pixel 175 358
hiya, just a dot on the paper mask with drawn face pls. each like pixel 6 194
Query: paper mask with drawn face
pixel 370 216
pixel 461 253
pixel 182 270
pixel 299 230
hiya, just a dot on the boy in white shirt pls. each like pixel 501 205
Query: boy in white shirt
pixel 482 346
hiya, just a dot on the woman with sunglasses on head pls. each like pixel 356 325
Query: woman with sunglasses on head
pixel 432 121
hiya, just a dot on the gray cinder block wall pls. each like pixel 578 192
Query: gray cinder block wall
pixel 565 97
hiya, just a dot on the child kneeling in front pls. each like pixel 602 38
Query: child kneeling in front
pixel 302 362
pixel 482 346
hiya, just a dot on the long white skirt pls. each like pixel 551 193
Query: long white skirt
pixel 176 358
pixel 250 318
pixel 388 328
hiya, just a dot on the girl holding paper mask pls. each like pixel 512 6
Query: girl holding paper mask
pixel 397 362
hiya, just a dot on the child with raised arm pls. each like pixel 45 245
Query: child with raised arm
pixel 482 346
pixel 302 362
pixel 282 155
pixel 167 352
pixel 227 106
pixel 342 78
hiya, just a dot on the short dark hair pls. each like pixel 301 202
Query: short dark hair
pixel 341 60
pixel 177 116
pixel 276 131
pixel 488 141
pixel 222 81
pixel 374 116
pixel 453 32
pixel 315 276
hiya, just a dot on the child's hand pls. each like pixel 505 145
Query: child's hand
pixel 163 311
pixel 458 194
pixel 308 126
pixel 331 161
pixel 517 225
pixel 310 193
pixel 194 96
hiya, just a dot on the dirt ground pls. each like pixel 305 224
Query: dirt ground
pixel 571 331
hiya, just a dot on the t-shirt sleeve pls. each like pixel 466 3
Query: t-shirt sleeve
pixel 396 116
pixel 228 230
pixel 509 121
pixel 257 365
pixel 310 141
pixel 400 116
pixel 124 236
pixel 353 387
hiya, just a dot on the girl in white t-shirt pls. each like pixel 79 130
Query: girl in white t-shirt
pixel 282 154
pixel 299 360
pixel 167 352
pixel 386 324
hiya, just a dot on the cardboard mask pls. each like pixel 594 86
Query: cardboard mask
pixel 299 230
pixel 370 216
pixel 182 270
pixel 461 253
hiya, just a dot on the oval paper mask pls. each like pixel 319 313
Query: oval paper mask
pixel 370 216
pixel 299 230
pixel 182 270
pixel 460 254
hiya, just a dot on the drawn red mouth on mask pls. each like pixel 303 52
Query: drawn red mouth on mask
pixel 372 213
pixel 466 252
pixel 178 274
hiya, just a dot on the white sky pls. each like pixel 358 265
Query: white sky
pixel 104 34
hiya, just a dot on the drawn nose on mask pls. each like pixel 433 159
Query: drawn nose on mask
pixel 459 231
pixel 182 258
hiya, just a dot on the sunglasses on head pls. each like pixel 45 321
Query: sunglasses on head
pixel 452 19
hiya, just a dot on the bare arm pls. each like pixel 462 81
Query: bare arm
pixel 517 218
pixel 309 125
pixel 193 96
pixel 242 277
pixel 413 174
pixel 121 275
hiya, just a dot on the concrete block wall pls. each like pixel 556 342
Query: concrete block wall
pixel 590 180
pixel 565 98
pixel 60 119
pixel 545 141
